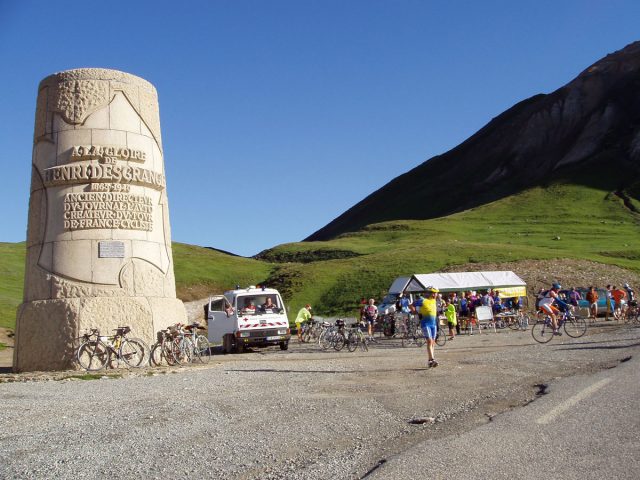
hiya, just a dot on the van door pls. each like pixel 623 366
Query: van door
pixel 220 322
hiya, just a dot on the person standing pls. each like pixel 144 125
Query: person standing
pixel 417 303
pixel 304 315
pixel 404 304
pixel 610 305
pixel 592 298
pixel 473 302
pixel 429 323
pixel 631 295
pixel 370 314
pixel 455 300
pixel 574 297
pixel 452 320
pixel 464 312
pixel 440 304
pixel 618 295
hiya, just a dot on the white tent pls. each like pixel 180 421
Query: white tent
pixel 399 285
pixel 507 282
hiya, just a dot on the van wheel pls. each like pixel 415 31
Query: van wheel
pixel 284 345
pixel 227 343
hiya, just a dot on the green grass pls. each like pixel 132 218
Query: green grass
pixel 201 271
pixel 561 221
pixel 12 256
pixel 2 346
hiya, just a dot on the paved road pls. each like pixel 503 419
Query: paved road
pixel 323 415
pixel 583 427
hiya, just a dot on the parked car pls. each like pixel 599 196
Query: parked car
pixel 583 305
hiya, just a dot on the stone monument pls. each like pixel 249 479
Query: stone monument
pixel 98 237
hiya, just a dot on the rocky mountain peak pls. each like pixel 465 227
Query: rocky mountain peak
pixel 587 131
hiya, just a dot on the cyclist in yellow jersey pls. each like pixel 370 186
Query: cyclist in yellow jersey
pixel 429 323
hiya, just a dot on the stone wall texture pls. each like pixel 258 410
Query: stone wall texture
pixel 98 236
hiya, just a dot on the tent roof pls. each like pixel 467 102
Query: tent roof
pixel 456 282
pixel 399 285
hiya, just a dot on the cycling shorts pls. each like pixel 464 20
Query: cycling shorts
pixel 550 309
pixel 429 331
pixel 370 320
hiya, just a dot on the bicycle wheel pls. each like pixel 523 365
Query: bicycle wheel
pixel 418 337
pixel 441 337
pixel 134 352
pixel 306 335
pixel 155 358
pixel 92 355
pixel 169 352
pixel 185 349
pixel 542 331
pixel 362 342
pixel 575 327
pixel 338 341
pixel 203 348
pixel 325 339
pixel 352 341
pixel 406 340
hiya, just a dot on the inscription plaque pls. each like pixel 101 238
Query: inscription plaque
pixel 113 249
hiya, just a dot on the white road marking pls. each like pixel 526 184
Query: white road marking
pixel 570 402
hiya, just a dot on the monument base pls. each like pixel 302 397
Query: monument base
pixel 55 325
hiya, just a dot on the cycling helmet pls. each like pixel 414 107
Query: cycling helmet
pixel 556 286
pixel 307 306
pixel 626 285
pixel 431 290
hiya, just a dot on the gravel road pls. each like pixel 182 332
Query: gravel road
pixel 301 414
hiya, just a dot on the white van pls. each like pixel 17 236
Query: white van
pixel 246 318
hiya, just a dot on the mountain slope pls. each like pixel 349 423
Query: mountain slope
pixel 559 227
pixel 561 221
pixel 591 126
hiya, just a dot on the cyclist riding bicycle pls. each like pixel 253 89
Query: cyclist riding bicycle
pixel 547 305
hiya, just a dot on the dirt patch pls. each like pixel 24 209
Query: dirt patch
pixel 6 354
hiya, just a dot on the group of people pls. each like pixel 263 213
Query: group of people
pixel 617 299
pixel 430 306
pixel 250 308
pixel 463 305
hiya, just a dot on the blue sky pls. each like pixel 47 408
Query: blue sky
pixel 280 115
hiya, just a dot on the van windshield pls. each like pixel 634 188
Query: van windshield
pixel 390 298
pixel 259 304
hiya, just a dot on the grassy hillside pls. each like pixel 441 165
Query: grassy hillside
pixel 202 271
pixel 562 221
pixel 12 275
pixel 199 272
